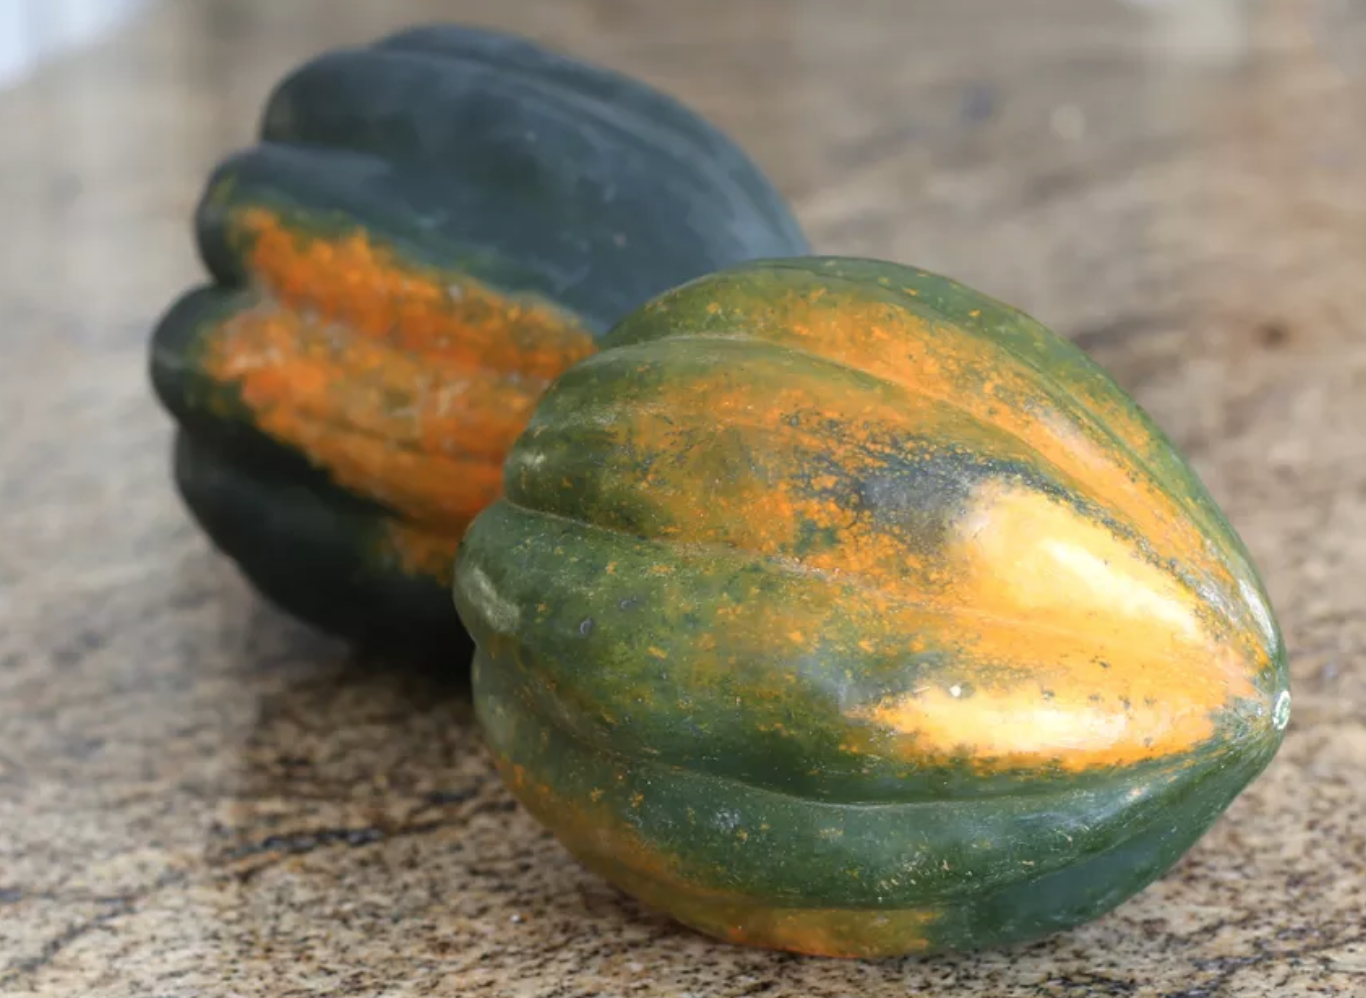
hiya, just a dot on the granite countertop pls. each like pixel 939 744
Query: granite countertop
pixel 198 796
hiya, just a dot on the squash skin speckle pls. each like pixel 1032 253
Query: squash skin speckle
pixel 909 630
pixel 429 230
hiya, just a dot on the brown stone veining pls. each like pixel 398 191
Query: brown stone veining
pixel 200 797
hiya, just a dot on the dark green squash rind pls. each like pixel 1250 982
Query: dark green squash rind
pixel 316 552
pixel 331 194
pixel 625 193
pixel 696 138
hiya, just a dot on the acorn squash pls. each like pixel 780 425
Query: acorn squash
pixel 429 229
pixel 835 607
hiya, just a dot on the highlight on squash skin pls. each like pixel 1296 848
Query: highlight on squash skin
pixel 1120 669
pixel 406 384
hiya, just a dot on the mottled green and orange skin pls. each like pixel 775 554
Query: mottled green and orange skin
pixel 835 607
pixel 406 384
pixel 345 413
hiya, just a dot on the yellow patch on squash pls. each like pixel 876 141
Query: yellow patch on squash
pixel 1098 657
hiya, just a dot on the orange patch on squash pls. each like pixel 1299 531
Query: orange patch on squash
pixel 702 427
pixel 831 932
pixel 448 318
pixel 416 551
pixel 406 384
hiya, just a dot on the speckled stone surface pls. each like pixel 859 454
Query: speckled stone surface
pixel 200 797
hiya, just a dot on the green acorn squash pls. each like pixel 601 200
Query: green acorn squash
pixel 428 231
pixel 835 607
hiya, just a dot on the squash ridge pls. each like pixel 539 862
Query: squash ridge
pixel 1058 391
pixel 621 354
pixel 646 132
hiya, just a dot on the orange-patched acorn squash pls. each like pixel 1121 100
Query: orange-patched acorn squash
pixel 838 608
pixel 428 231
